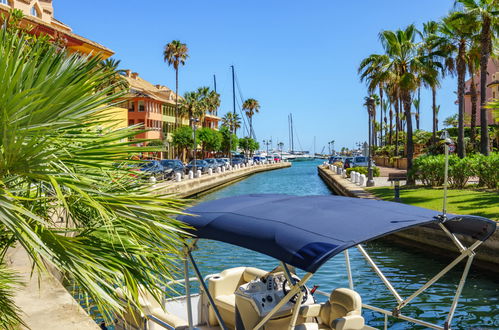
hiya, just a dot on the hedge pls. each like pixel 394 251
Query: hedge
pixel 430 170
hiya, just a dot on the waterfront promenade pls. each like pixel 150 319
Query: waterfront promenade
pixel 423 238
pixel 191 187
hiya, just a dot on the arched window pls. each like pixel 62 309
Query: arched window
pixel 34 12
pixel 5 2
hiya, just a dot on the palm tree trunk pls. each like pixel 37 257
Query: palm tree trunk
pixel 381 116
pixel 434 110
pixel 417 109
pixel 397 125
pixel 176 97
pixel 390 136
pixel 251 127
pixel 474 100
pixel 410 142
pixel 461 72
pixel 485 45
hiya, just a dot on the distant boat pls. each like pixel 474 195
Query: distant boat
pixel 294 155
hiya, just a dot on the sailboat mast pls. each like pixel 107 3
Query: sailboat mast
pixel 292 133
pixel 233 91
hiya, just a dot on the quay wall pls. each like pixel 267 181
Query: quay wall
pixel 192 187
pixel 422 238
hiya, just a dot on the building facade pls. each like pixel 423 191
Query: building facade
pixel 39 14
pixel 492 91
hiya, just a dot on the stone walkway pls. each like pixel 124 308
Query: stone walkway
pixel 382 180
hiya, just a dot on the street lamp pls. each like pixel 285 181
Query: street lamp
pixel 267 143
pixel 447 143
pixel 370 111
pixel 194 124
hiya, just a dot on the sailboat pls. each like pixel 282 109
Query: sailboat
pixel 295 155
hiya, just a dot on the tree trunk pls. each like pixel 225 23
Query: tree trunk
pixel 485 41
pixel 434 110
pixel 417 109
pixel 461 72
pixel 474 101
pixel 397 125
pixel 251 127
pixel 380 116
pixel 390 136
pixel 409 140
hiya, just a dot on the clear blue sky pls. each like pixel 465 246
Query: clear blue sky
pixel 297 57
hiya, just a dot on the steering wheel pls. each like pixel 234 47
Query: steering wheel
pixel 286 288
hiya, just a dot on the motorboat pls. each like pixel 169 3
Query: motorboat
pixel 299 232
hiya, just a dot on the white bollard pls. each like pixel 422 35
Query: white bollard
pixel 334 169
pixel 362 181
pixel 331 167
pixel 178 177
pixel 352 176
pixel 219 170
pixel 152 179
pixel 210 171
pixel 198 173
pixel 343 173
pixel 357 177
pixel 191 175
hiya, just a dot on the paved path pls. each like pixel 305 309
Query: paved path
pixel 382 180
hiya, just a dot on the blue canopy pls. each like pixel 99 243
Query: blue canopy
pixel 306 231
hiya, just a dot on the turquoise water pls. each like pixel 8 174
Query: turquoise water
pixel 405 268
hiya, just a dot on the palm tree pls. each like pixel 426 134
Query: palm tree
pixel 373 70
pixel 473 62
pixel 429 47
pixel 192 106
pixel 55 160
pixel 232 121
pixel 457 32
pixel 410 69
pixel 176 53
pixel 251 106
pixel 486 12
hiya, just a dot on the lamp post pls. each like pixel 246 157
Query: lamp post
pixel 267 143
pixel 194 124
pixel 332 148
pixel 447 143
pixel 370 111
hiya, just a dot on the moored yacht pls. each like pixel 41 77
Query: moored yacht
pixel 300 232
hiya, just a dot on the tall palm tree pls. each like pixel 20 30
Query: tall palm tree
pixel 176 53
pixel 192 106
pixel 486 12
pixel 457 32
pixel 250 107
pixel 410 69
pixel 429 46
pixel 232 121
pixel 372 69
pixel 473 63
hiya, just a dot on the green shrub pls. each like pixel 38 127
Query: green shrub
pixel 460 170
pixel 487 169
pixel 429 169
pixel 362 170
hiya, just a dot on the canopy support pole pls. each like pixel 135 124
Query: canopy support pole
pixel 453 238
pixel 349 269
pixel 188 291
pixel 205 288
pixel 287 274
pixel 380 274
pixel 458 292
pixel 467 252
pixel 294 290
pixel 296 310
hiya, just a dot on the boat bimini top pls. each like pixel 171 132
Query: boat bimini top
pixel 306 231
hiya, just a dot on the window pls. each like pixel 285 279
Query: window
pixel 142 107
pixel 34 12
pixel 4 2
pixel 131 122
pixel 131 106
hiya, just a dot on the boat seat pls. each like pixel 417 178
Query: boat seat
pixel 173 320
pixel 222 287
pixel 343 311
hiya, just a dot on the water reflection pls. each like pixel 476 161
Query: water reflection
pixel 406 269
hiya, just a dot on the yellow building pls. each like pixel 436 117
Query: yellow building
pixel 39 14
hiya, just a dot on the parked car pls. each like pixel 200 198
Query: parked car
pixel 277 158
pixel 213 163
pixel 258 159
pixel 237 161
pixel 224 162
pixel 360 161
pixel 172 167
pixel 348 162
pixel 334 159
pixel 154 168
pixel 198 164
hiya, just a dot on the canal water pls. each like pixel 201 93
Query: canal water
pixel 405 268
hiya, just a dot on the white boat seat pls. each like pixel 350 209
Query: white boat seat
pixel 222 287
pixel 343 311
pixel 176 322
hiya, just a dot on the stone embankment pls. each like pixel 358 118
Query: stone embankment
pixel 423 238
pixel 190 186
